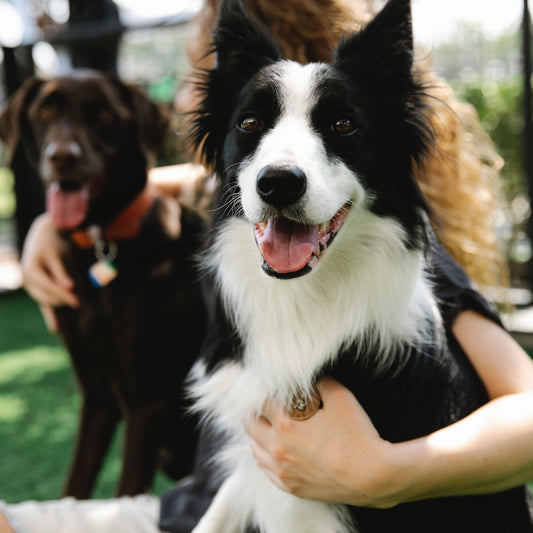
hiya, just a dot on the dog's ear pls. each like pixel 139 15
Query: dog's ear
pixel 242 47
pixel 153 121
pixel 380 58
pixel 382 52
pixel 13 120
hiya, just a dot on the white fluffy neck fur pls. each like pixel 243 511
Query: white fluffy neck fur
pixel 368 289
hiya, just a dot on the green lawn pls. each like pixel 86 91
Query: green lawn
pixel 39 404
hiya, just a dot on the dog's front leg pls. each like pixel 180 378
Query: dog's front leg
pixel 228 513
pixel 142 441
pixel 99 418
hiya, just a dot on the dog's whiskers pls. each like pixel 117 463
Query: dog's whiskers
pixel 230 202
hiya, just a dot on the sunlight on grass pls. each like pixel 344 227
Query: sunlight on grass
pixel 11 408
pixel 7 196
pixel 29 366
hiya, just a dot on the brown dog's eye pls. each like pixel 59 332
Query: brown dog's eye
pixel 47 112
pixel 105 116
pixel 344 126
pixel 249 124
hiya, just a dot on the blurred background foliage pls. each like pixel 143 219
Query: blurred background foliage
pixel 487 72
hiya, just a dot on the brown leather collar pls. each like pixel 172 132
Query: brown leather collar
pixel 126 226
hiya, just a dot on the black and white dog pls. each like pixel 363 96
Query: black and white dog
pixel 317 260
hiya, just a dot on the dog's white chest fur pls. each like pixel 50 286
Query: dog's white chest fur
pixel 371 292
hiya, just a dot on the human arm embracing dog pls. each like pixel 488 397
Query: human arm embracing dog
pixel 337 455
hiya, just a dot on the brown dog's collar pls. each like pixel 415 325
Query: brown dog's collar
pixel 126 226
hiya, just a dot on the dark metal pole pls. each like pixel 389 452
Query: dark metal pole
pixel 528 125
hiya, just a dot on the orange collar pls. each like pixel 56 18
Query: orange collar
pixel 126 226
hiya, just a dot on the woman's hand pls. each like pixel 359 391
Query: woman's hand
pixel 45 277
pixel 337 455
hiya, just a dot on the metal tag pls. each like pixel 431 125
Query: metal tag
pixel 102 273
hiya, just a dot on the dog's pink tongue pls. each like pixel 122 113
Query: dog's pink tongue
pixel 68 209
pixel 288 246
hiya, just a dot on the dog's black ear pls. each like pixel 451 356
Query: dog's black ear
pixel 13 120
pixel 242 47
pixel 153 121
pixel 380 58
pixel 381 53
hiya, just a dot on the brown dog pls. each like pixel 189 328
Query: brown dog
pixel 141 318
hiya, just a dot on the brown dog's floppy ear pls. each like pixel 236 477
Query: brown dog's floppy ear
pixel 13 119
pixel 153 120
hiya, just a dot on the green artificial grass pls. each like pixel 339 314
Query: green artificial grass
pixel 39 404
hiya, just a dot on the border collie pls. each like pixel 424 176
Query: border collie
pixel 317 261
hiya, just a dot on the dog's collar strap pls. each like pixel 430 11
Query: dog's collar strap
pixel 126 226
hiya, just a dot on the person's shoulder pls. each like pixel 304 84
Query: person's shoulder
pixel 454 290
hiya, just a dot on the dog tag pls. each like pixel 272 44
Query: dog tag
pixel 102 273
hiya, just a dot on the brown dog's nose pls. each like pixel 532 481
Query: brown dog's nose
pixel 64 156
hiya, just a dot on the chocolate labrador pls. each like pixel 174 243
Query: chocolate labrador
pixel 140 322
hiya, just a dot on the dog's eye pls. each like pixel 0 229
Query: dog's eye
pixel 47 112
pixel 249 124
pixel 105 116
pixel 344 126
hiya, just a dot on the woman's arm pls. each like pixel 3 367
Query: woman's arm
pixel 45 277
pixel 492 449
pixel 338 456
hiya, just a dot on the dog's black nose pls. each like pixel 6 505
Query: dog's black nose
pixel 281 186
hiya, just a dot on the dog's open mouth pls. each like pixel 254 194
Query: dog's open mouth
pixel 67 207
pixel 291 249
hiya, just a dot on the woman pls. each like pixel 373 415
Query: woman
pixel 337 455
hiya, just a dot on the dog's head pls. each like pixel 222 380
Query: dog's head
pixel 90 136
pixel 302 149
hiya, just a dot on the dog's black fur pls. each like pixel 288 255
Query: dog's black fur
pixel 422 386
pixel 133 341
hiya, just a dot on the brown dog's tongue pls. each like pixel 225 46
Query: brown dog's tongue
pixel 288 246
pixel 68 209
